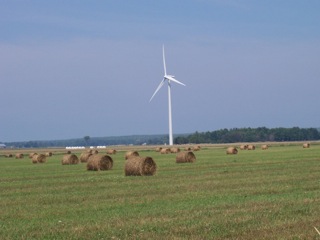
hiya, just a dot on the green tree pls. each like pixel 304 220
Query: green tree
pixel 86 139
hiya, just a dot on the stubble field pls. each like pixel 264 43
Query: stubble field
pixel 259 194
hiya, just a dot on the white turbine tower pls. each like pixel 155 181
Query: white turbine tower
pixel 169 79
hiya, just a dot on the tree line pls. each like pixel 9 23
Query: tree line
pixel 93 141
pixel 261 134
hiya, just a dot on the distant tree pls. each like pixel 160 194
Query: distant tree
pixel 86 139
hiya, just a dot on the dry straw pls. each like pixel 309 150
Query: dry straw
pixel 39 158
pixel 31 155
pixel 174 150
pixel 185 157
pixel 196 148
pixel 85 156
pixel 9 155
pixel 95 151
pixel 49 154
pixel 140 166
pixel 34 157
pixel 69 159
pixel 19 155
pixel 264 147
pixel 98 162
pixel 306 145
pixel 243 147
pixel 232 150
pixel 188 148
pixel 131 154
pixel 158 149
pixel 165 150
pixel 251 147
pixel 111 151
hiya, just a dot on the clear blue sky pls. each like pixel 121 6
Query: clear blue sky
pixel 75 68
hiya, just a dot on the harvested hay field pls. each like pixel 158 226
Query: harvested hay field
pixel 185 157
pixel 98 162
pixel 140 166
pixel 251 195
pixel 69 159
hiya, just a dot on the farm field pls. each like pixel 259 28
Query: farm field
pixel 257 194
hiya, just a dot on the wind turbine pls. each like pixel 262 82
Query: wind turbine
pixel 167 78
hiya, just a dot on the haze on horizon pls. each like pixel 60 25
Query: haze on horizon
pixel 74 68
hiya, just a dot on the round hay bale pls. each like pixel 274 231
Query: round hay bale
pixel 174 150
pixel 185 157
pixel 264 147
pixel 165 150
pixel 19 156
pixel 188 148
pixel 232 150
pixel 39 158
pixel 32 154
pixel 9 155
pixel 85 156
pixel 243 147
pixel 196 148
pixel 306 145
pixel 68 152
pixel 34 160
pixel 98 162
pixel 111 151
pixel 158 149
pixel 251 147
pixel 131 154
pixel 95 151
pixel 140 166
pixel 69 159
pixel 49 154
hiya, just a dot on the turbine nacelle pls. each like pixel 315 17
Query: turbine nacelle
pixel 168 76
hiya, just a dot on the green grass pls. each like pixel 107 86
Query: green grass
pixel 272 194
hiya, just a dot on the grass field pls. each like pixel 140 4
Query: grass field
pixel 270 194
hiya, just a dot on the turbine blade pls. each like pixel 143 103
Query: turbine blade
pixel 174 80
pixel 164 61
pixel 158 88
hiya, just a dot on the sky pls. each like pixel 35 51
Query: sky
pixel 76 68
